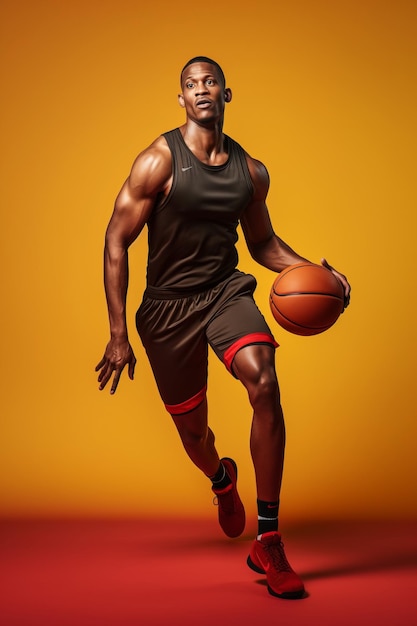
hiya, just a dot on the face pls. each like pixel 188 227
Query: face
pixel 203 93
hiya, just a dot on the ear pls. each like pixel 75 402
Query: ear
pixel 181 100
pixel 227 95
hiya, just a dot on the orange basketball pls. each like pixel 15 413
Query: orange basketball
pixel 306 299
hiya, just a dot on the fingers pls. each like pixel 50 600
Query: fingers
pixel 100 365
pixel 115 382
pixel 131 370
pixel 113 364
pixel 105 375
pixel 342 279
pixel 346 300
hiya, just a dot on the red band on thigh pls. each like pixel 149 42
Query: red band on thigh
pixel 247 340
pixel 187 405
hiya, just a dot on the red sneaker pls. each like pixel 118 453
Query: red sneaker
pixel 231 511
pixel 267 557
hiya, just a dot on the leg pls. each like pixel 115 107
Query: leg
pixel 172 332
pixel 175 336
pixel 254 366
pixel 198 439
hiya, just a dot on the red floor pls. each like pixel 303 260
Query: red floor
pixel 110 573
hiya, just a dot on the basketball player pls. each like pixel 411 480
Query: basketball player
pixel 191 187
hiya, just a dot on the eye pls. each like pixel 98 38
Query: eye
pixel 209 82
pixel 189 85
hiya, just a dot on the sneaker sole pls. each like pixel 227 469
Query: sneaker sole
pixel 255 568
pixel 287 595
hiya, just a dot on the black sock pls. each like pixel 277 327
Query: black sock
pixel 267 516
pixel 221 478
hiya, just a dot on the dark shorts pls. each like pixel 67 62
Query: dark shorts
pixel 176 334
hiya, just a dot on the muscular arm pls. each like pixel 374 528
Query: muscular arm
pixel 150 177
pixel 264 245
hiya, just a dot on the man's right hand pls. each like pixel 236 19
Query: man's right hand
pixel 117 355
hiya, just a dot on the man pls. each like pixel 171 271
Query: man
pixel 191 187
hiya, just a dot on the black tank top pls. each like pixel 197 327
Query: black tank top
pixel 192 232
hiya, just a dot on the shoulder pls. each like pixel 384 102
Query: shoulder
pixel 259 174
pixel 154 157
pixel 153 166
pixel 257 170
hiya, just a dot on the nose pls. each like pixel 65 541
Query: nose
pixel 201 88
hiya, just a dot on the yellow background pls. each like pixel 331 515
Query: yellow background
pixel 325 95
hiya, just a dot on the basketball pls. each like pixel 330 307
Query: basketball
pixel 306 299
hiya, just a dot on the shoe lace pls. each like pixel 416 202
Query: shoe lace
pixel 277 556
pixel 226 501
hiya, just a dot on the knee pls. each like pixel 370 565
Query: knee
pixel 264 390
pixel 190 438
pixel 192 433
pixel 255 367
pixel 192 427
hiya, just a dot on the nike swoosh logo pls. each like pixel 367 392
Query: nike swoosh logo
pixel 184 169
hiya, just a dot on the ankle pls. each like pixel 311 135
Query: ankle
pixel 221 478
pixel 267 516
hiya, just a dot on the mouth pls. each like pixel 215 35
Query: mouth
pixel 204 103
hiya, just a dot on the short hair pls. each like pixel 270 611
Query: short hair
pixel 202 59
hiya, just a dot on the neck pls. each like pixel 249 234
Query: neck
pixel 206 142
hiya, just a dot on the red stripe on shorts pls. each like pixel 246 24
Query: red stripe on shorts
pixel 247 340
pixel 188 405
